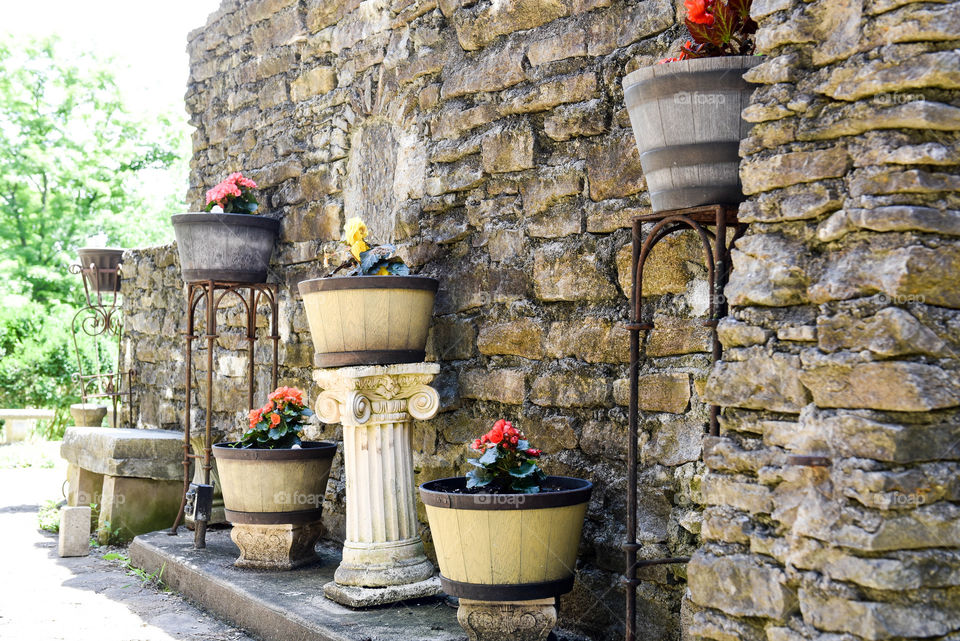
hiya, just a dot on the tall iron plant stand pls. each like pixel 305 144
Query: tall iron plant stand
pixel 716 253
pixel 383 559
pixel 101 318
pixel 213 293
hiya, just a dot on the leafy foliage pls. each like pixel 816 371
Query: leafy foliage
pixel 279 423
pixel 70 159
pixel 37 359
pixel 718 28
pixel 507 463
pixel 233 195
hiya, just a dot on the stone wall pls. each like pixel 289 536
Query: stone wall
pixel 489 139
pixel 843 337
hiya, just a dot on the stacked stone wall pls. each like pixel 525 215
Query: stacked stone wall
pixel 490 141
pixel 843 337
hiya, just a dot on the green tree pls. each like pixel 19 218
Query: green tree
pixel 70 155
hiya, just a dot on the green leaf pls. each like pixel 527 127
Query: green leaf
pixel 478 478
pixel 489 457
pixel 725 23
pixel 475 462
pixel 525 469
pixel 306 411
pixel 523 445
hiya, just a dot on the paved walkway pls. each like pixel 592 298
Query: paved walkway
pixel 46 598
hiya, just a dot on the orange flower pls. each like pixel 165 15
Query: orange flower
pixel 274 419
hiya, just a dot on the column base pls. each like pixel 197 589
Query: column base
pixel 276 547
pixel 358 597
pixel 507 620
pixel 383 565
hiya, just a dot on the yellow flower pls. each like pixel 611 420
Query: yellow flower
pixel 355 231
pixel 358 248
pixel 383 271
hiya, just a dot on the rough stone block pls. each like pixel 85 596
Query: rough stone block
pixel 766 382
pixel 85 486
pixel 548 94
pixel 783 170
pixel 131 506
pixel 74 531
pixel 664 392
pixel 572 121
pixel 842 380
pixel 520 337
pixel 151 454
pixel 541 192
pixel 501 385
pixel 613 167
pixel 562 274
pixel 569 389
pixel 492 69
pixel 315 82
pixel 509 149
pixel 594 340
pixel 740 584
pixel 753 498
pixel 479 27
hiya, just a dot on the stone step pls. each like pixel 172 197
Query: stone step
pixel 147 454
pixel 287 605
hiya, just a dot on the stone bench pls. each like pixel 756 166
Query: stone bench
pixel 135 477
pixel 19 424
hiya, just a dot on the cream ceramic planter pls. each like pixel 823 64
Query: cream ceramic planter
pixel 506 547
pixel 369 320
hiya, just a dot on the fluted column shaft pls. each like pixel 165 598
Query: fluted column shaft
pixel 376 406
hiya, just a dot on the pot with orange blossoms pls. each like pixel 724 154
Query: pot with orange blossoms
pixel 370 310
pixel 273 484
pixel 685 111
pixel 506 531
pixel 229 241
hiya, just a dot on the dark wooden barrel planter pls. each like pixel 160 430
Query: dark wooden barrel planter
pixel 506 547
pixel 270 487
pixel 686 120
pixel 369 320
pixel 224 247
pixel 106 262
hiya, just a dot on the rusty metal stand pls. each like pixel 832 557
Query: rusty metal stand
pixel 717 259
pixel 214 292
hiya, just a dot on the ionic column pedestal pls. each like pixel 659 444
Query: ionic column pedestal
pixel 383 559
pixel 507 620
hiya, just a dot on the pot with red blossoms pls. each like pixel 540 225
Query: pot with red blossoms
pixel 229 241
pixel 685 111
pixel 273 484
pixel 506 532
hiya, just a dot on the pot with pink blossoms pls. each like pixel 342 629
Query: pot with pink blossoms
pixel 229 241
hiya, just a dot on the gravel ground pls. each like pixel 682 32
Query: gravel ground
pixel 76 599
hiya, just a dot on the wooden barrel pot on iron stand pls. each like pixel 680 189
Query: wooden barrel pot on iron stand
pixel 686 120
pixel 274 499
pixel 369 320
pixel 506 547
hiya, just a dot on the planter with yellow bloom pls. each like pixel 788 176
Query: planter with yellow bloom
pixel 378 314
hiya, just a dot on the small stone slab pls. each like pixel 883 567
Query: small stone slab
pixel 74 531
pixel 148 454
pixel 357 597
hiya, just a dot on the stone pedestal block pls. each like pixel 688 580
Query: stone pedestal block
pixel 131 506
pixel 276 547
pixel 376 406
pixel 86 487
pixel 74 531
pixel 507 620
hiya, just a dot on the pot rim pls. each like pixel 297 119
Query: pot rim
pixel 691 65
pixel 334 283
pixel 101 250
pixel 243 220
pixel 308 450
pixel 577 492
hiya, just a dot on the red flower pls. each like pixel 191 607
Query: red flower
pixel 697 11
pixel 514 440
pixel 534 452
pixel 477 445
pixel 274 419
pixel 496 434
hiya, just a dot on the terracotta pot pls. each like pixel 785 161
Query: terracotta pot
pixel 274 486
pixel 369 320
pixel 686 120
pixel 106 262
pixel 224 247
pixel 506 547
